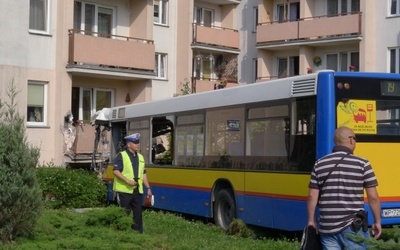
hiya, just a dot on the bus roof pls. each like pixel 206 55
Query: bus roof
pixel 296 86
pixel 268 90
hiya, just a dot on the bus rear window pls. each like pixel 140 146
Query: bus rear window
pixel 364 107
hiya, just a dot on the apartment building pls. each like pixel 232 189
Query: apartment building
pixel 296 37
pixel 71 58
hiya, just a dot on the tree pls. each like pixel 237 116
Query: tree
pixel 185 87
pixel 20 198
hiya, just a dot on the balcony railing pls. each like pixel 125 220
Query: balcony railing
pixel 203 85
pixel 310 28
pixel 222 2
pixel 267 78
pixel 80 141
pixel 215 36
pixel 110 50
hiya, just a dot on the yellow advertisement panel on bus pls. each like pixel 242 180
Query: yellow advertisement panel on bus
pixel 359 115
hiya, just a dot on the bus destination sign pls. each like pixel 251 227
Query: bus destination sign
pixel 390 88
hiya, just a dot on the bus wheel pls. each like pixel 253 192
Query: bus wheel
pixel 224 208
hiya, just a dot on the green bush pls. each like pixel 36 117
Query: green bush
pixel 71 188
pixel 238 228
pixel 20 198
pixel 113 217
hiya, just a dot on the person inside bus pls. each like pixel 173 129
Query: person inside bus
pixel 129 178
pixel 337 186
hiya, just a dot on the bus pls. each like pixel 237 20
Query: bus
pixel 247 152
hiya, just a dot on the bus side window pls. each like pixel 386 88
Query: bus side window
pixel 267 140
pixel 142 127
pixel 162 139
pixel 189 139
pixel 303 138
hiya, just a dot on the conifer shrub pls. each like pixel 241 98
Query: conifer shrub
pixel 238 228
pixel 20 198
pixel 71 188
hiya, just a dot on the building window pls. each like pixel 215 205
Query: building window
pixel 94 18
pixel 335 7
pixel 255 69
pixel 394 7
pixel 343 61
pixel 204 67
pixel 288 66
pixel 255 19
pixel 203 17
pixel 160 12
pixel 288 12
pixel 161 66
pixel 87 101
pixel 37 103
pixel 39 16
pixel 332 62
pixel 394 55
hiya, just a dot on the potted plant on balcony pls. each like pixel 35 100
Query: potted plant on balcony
pixel 317 60
pixel 352 68
pixel 309 70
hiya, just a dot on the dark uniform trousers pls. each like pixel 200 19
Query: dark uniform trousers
pixel 132 202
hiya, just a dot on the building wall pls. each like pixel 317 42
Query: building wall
pixel 245 23
pixel 28 56
pixel 184 29
pixel 165 39
pixel 386 36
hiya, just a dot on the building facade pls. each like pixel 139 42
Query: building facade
pixel 71 58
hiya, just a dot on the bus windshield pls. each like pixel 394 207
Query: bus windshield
pixel 371 107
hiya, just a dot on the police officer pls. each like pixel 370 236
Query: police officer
pixel 129 178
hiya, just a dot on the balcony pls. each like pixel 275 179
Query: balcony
pixel 110 52
pixel 204 85
pixel 79 142
pixel 215 37
pixel 308 30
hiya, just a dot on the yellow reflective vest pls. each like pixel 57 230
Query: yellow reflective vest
pixel 127 171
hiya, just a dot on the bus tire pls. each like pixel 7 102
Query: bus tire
pixel 224 208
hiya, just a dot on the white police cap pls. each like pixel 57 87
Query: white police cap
pixel 133 137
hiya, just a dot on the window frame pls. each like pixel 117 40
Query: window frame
pixel 164 138
pixel 46 19
pixel 395 60
pixel 200 20
pixel 204 67
pixel 92 101
pixel 255 69
pixel 95 25
pixel 95 97
pixel 339 60
pixel 397 11
pixel 45 103
pixel 342 10
pixel 163 10
pixel 291 68
pixel 219 136
pixel 255 18
pixel 190 148
pixel 280 17
pixel 161 66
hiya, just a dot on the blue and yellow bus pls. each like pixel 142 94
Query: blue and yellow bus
pixel 247 152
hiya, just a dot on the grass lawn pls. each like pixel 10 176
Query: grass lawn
pixel 109 228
